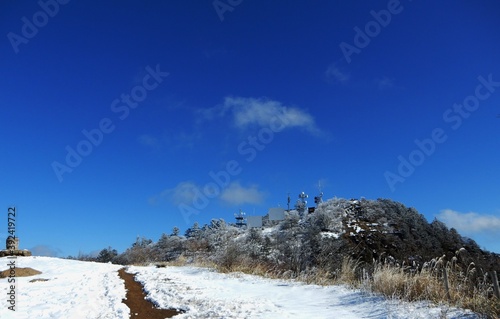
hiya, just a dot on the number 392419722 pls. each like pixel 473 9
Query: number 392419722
pixel 11 228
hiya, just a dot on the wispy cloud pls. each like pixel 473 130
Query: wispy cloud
pixel 384 83
pixel 183 193
pixel 333 73
pixel 44 250
pixel 188 140
pixel 336 74
pixel 469 222
pixel 261 112
pixel 172 140
pixel 149 141
pixel 187 192
pixel 236 194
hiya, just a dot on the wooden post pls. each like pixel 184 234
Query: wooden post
pixel 446 283
pixel 494 278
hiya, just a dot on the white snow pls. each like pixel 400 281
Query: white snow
pixel 330 235
pixel 270 230
pixel 74 290
pixel 91 290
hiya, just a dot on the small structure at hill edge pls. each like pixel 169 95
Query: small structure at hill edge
pixel 12 248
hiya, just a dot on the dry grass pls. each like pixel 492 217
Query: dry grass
pixel 317 277
pixel 39 280
pixel 20 272
pixel 182 260
pixel 251 267
pixel 349 272
pixel 396 282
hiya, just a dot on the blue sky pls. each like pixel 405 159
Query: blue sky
pixel 117 115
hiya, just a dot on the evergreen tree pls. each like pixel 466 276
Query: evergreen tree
pixel 175 231
pixel 106 255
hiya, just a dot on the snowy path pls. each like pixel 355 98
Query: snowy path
pixel 207 294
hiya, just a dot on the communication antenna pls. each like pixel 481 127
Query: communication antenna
pixel 301 204
pixel 319 199
pixel 240 219
pixel 288 203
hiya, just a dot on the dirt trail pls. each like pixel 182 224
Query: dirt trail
pixel 140 308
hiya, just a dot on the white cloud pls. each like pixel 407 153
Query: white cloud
pixel 149 141
pixel 469 222
pixel 235 194
pixel 262 112
pixel 384 83
pixel 333 72
pixel 44 250
pixel 183 193
pixel 188 192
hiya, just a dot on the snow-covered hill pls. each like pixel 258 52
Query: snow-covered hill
pixel 90 290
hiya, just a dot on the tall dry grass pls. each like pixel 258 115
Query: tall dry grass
pixel 350 272
pixel 393 281
pixel 466 289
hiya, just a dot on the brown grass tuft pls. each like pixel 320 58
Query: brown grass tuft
pixel 20 272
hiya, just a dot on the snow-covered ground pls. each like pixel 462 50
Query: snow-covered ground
pixel 205 293
pixel 91 290
pixel 74 289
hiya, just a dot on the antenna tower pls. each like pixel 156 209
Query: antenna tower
pixel 240 219
pixel 319 199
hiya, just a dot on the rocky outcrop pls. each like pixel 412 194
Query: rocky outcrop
pixel 16 252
